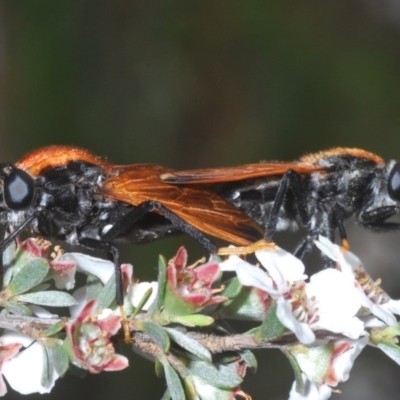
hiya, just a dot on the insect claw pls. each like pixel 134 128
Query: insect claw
pixel 244 250
pixel 345 246
pixel 125 326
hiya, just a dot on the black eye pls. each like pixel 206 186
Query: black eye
pixel 18 190
pixel 394 182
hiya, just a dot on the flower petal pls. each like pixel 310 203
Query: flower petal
pixel 230 264
pixel 249 275
pixel 25 371
pixel 312 391
pixel 117 363
pixel 103 269
pixel 302 330
pixel 136 292
pixel 282 266
pixel 338 302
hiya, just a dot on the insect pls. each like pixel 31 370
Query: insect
pixel 68 194
pixel 319 192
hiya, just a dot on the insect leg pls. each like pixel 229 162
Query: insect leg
pixel 383 226
pixel 303 248
pixel 290 180
pixel 10 238
pixel 112 250
pixel 122 224
pixel 336 221
pixel 187 228
pixel 138 212
pixel 378 215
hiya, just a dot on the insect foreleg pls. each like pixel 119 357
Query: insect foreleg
pixel 10 238
pixel 119 287
pixel 124 222
pixel 376 218
pixel 378 215
pixel 113 252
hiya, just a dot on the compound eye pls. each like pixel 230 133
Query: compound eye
pixel 18 190
pixel 394 182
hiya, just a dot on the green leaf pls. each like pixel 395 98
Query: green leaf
pixel 46 368
pixel 18 309
pixel 60 358
pixel 390 349
pixel 9 254
pixel 157 334
pixel 79 372
pixel 300 386
pixel 249 359
pixel 107 294
pixel 223 377
pixel 190 388
pixel 245 303
pixel 29 276
pixel 142 302
pixel 158 303
pixel 232 288
pixel 192 320
pixel 8 257
pixel 40 288
pixel 314 362
pixel 57 327
pixel 93 287
pixel 189 344
pixel 272 327
pixel 166 395
pixel 51 298
pixel 158 368
pixel 174 384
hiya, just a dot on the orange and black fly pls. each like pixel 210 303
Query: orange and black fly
pixel 319 192
pixel 68 194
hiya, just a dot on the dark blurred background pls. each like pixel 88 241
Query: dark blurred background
pixel 207 83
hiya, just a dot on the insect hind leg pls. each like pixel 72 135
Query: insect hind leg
pixel 124 223
pixel 187 228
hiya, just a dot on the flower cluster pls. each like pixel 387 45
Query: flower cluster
pixel 320 322
pixel 343 300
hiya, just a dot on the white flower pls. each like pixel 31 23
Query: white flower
pixel 9 348
pixel 26 371
pixel 283 271
pixel 372 296
pixel 103 269
pixel 337 302
pixel 63 271
pixel 329 301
